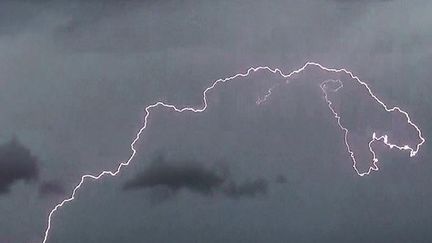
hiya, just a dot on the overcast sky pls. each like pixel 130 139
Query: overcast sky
pixel 75 77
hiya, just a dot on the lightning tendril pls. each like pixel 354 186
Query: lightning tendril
pixel 384 139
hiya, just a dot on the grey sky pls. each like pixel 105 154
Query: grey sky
pixel 75 77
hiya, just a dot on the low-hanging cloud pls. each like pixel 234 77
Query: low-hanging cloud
pixel 16 163
pixel 193 176
pixel 178 175
pixel 246 189
pixel 51 188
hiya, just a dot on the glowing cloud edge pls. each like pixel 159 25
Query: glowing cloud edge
pixel 384 138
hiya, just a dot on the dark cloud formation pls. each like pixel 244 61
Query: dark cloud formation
pixel 193 176
pixel 76 75
pixel 281 179
pixel 16 163
pixel 246 189
pixel 51 188
pixel 177 175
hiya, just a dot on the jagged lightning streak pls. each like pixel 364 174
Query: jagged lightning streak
pixel 345 130
pixel 384 139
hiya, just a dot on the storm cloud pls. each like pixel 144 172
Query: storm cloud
pixel 246 189
pixel 177 175
pixel 76 76
pixel 16 163
pixel 51 188
pixel 195 177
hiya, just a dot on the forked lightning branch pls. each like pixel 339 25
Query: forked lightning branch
pixel 413 150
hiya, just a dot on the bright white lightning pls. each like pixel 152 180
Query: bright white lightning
pixel 384 138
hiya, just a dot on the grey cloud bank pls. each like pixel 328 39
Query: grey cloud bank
pixel 76 75
pixel 193 176
pixel 16 163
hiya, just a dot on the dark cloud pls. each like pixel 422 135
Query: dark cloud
pixel 281 179
pixel 167 178
pixel 177 175
pixel 16 163
pixel 246 189
pixel 51 187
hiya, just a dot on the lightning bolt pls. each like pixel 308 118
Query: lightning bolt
pixel 383 138
pixel 148 109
